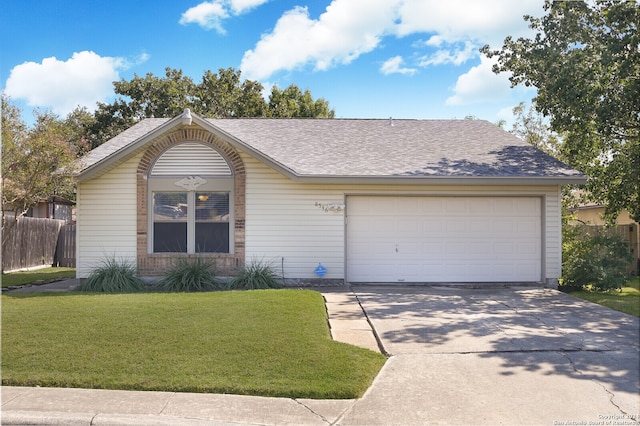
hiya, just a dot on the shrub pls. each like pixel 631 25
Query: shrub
pixel 113 277
pixel 190 275
pixel 256 275
pixel 592 256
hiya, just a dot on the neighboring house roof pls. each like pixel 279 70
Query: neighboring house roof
pixel 363 149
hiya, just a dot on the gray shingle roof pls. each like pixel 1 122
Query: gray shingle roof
pixel 370 148
pixel 374 148
pixel 121 141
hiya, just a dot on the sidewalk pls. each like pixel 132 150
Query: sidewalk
pixel 59 406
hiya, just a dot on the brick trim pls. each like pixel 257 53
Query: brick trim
pixel 154 264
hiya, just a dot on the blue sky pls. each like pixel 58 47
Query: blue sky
pixel 368 58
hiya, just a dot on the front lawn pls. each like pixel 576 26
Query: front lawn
pixel 28 277
pixel 626 300
pixel 265 342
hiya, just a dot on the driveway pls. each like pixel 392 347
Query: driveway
pixel 499 356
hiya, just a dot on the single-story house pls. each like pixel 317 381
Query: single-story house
pixel 325 200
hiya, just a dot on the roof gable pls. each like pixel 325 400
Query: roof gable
pixel 363 149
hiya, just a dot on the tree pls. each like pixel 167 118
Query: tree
pixel 36 163
pixel 142 97
pixel 218 95
pixel 531 126
pixel 224 95
pixel 76 129
pixel 293 103
pixel 585 63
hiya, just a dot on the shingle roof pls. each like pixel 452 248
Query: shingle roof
pixel 369 148
pixel 121 141
pixel 384 148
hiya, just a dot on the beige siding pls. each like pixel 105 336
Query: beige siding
pixel 552 239
pixel 106 217
pixel 277 208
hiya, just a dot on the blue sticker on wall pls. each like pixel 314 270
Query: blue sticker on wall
pixel 320 270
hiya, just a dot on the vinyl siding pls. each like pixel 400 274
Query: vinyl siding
pixel 106 217
pixel 278 208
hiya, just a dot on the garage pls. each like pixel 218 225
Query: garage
pixel 421 239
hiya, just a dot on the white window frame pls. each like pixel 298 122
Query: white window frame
pixel 214 184
pixel 181 183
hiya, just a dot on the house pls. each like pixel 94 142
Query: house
pixel 53 207
pixel 335 200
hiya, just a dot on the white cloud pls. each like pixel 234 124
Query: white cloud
pixel 454 55
pixel 82 80
pixel 346 30
pixel 210 14
pixel 459 20
pixel 350 28
pixel 480 85
pixel 242 6
pixel 393 66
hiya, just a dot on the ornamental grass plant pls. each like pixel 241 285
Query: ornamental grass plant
pixel 257 275
pixel 190 275
pixel 113 276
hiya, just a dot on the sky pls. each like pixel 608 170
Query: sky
pixel 368 58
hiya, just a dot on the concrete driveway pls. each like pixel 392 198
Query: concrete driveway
pixel 499 356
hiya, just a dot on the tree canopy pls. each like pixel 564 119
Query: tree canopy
pixel 584 62
pixel 36 162
pixel 218 95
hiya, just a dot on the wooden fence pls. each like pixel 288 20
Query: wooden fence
pixel 66 249
pixel 34 242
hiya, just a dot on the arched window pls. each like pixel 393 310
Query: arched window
pixel 190 190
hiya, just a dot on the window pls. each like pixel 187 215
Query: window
pixel 170 211
pixel 190 192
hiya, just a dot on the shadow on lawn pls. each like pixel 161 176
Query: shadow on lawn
pixel 533 329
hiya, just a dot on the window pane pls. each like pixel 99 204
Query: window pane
pixel 169 206
pixel 170 237
pixel 170 222
pixel 212 237
pixel 212 206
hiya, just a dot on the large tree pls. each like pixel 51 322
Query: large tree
pixel 584 62
pixel 218 95
pixel 36 162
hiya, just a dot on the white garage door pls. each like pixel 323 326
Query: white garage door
pixel 443 239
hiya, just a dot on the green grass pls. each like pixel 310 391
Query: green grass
pixel 626 300
pixel 265 342
pixel 27 277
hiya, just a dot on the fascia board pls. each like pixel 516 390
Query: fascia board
pixel 443 180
